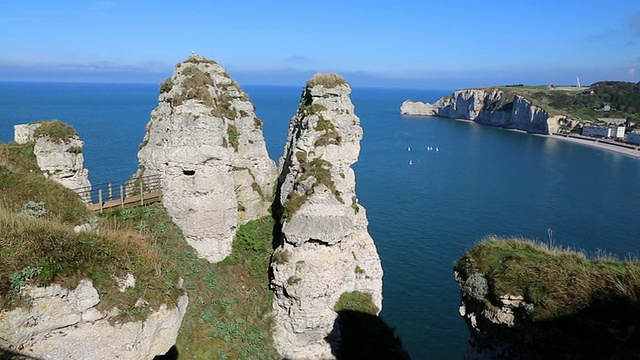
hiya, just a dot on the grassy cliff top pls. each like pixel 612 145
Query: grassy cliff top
pixel 584 103
pixel 56 130
pixel 326 80
pixel 558 282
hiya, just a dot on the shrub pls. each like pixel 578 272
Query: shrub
pixel 476 287
pixel 166 86
pixel 34 208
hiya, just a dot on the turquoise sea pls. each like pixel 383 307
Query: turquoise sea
pixel 422 216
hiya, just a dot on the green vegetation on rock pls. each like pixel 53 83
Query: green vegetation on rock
pixel 56 130
pixel 195 86
pixel 356 301
pixel 326 80
pixel 585 103
pixel 229 312
pixel 318 169
pixel 558 282
pixel 234 136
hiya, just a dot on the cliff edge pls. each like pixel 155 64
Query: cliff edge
pixel 490 106
pixel 324 255
pixel 526 300
pixel 206 143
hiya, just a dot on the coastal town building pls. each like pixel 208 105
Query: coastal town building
pixel 604 131
pixel 633 137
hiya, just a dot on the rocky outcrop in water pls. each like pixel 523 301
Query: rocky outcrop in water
pixel 489 107
pixel 324 250
pixel 65 324
pixel 59 157
pixel 206 142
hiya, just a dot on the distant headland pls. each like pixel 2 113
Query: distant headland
pixel 605 114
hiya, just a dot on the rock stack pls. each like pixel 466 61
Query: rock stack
pixel 58 151
pixel 323 248
pixel 206 143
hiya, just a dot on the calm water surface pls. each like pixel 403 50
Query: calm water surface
pixel 422 216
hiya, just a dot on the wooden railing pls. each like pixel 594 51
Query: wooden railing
pixel 125 193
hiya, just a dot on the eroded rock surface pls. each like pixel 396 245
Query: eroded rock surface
pixel 65 324
pixel 324 249
pixel 206 142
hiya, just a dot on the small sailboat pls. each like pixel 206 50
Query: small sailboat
pixel 410 162
pixel 409 148
pixel 437 149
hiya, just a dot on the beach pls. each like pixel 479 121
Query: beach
pixel 599 145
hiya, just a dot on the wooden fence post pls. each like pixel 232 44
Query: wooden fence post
pixel 100 199
pixel 110 192
pixel 122 196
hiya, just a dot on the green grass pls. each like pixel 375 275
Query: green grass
pixel 230 305
pixel 21 181
pixel 194 86
pixel 50 252
pixel 229 315
pixel 558 282
pixel 56 130
pixel 326 80
pixel 234 136
pixel 356 301
pixel 320 170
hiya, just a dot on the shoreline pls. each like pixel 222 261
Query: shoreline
pixel 590 143
pixel 598 145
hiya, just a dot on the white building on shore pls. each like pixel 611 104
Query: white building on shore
pixel 604 131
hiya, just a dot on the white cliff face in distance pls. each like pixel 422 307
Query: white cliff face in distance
pixel 489 107
pixel 324 249
pixel 61 160
pixel 206 142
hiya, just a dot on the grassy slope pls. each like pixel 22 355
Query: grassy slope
pixel 230 304
pixel 558 282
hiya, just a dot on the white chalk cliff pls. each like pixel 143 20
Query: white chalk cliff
pixel 490 106
pixel 60 160
pixel 206 143
pixel 324 249
pixel 65 324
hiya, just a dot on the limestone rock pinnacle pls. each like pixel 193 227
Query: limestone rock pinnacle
pixel 324 249
pixel 206 142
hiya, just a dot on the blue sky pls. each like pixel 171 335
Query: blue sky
pixel 401 43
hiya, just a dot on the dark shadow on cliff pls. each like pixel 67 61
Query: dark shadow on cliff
pixel 364 336
pixel 172 354
pixel 605 330
pixel 6 354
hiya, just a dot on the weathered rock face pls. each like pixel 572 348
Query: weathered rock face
pixel 489 107
pixel 206 142
pixel 324 249
pixel 59 159
pixel 65 324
